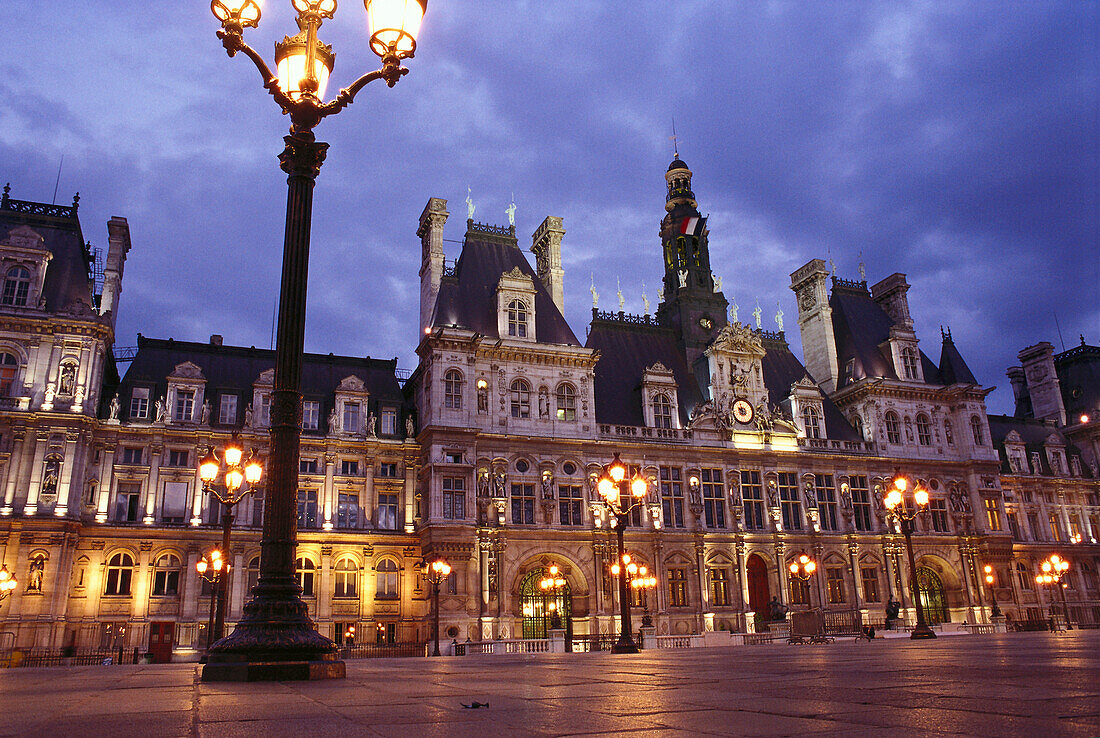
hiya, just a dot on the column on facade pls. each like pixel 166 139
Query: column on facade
pixel 44 360
pixel 857 579
pixel 781 572
pixel 901 565
pixel 704 616
pixel 190 585
pixel 14 553
pixel 36 462
pixel 151 491
pixel 106 479
pixel 64 487
pixel 1063 513
pixel 888 563
pixel 59 594
pixel 81 386
pixel 238 579
pixel 325 588
pixel 11 472
pixel 409 492
pixel 966 557
pixel 328 491
pixel 658 602
pixel 743 577
pixel 142 585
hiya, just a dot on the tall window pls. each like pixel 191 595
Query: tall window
pixel 567 402
pixel 976 430
pixel 834 580
pixel 714 498
pixel 263 414
pixel 185 404
pixel 719 587
pixel 120 570
pixel 677 587
pixel 800 591
pixel 1055 527
pixel 452 390
pixel 521 399
pixel 811 421
pixel 570 504
pixel 349 467
pixel 454 498
pixel 17 285
pixel 386 588
pixel 752 495
pixel 924 430
pixel 517 319
pixel 857 423
pixel 347 510
pixel 672 496
pixel 869 575
pixel 523 504
pixel 9 365
pixel 992 513
pixel 861 503
pixel 893 428
pixel 166 576
pixel 351 417
pixel 938 508
pixel 311 414
pixel 388 425
pixel 307 508
pixel 909 362
pixel 826 500
pixel 127 502
pixel 139 402
pixel 227 409
pixel 347 579
pixel 305 570
pixel 1023 577
pixel 662 411
pixel 252 574
pixel 387 511
pixel 789 502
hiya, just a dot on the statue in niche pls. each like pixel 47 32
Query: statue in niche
pixel 159 409
pixel 483 484
pixel 482 401
pixel 773 494
pixel 499 481
pixel 371 423
pixel 49 481
pixel 37 572
pixel 810 496
pixel 410 427
pixel 204 418
pixel 67 379
pixel 547 486
pixel 331 422
pixel 248 416
pixel 683 275
pixel 845 499
pixel 115 407
pixel 544 402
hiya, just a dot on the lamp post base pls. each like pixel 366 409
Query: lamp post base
pixel 922 631
pixel 273 671
pixel 625 645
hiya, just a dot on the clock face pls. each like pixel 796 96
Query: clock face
pixel 742 411
pixel 705 323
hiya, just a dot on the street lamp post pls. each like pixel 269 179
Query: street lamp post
pixel 275 638
pixel 803 568
pixel 8 582
pixel 1053 569
pixel 552 585
pixel 610 487
pixel 237 471
pixel 905 508
pixel 215 570
pixel 994 611
pixel 436 573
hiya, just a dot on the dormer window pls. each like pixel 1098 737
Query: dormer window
pixel 811 421
pixel 351 417
pixel 662 411
pixel 264 414
pixel 909 363
pixel 139 402
pixel 976 429
pixel 517 319
pixel 452 390
pixel 185 404
pixel 17 285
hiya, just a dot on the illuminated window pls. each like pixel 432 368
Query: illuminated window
pixel 8 367
pixel 386 588
pixel 826 500
pixel 567 402
pixel 120 571
pixel 719 588
pixel 992 513
pixel 924 430
pixel 811 422
pixel 672 496
pixel 834 580
pixel 305 570
pixel 677 587
pixel 166 576
pixel 789 502
pixel 909 362
pixel 347 579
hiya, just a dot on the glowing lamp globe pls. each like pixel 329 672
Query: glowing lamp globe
pixel 253 471
pixel 639 487
pixel 291 58
pixel 921 496
pixel 208 467
pixel 245 12
pixel 394 25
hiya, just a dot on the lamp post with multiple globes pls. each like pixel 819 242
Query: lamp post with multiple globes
pixel 8 582
pixel 905 505
pixel 436 573
pixel 276 638
pixel 990 579
pixel 611 488
pixel 642 581
pixel 552 585
pixel 214 569
pixel 802 568
pixel 1053 569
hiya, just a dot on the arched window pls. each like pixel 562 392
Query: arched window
pixel 521 399
pixel 1023 576
pixel 253 573
pixel 120 570
pixel 452 390
pixel 893 428
pixel 924 430
pixel 811 422
pixel 387 580
pixel 17 285
pixel 517 319
pixel 9 365
pixel 166 576
pixel 305 571
pixel 976 429
pixel 567 402
pixel 347 579
pixel 662 411
pixel 857 423
pixel 909 362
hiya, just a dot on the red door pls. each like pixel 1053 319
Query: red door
pixel 759 592
pixel 161 639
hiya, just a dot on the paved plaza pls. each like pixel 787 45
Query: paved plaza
pixel 1034 684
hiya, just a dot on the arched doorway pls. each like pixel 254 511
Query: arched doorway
pixel 759 592
pixel 538 608
pixel 932 598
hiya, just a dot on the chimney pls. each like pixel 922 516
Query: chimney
pixel 430 232
pixel 1042 382
pixel 815 320
pixel 546 246
pixel 118 236
pixel 215 340
pixel 891 296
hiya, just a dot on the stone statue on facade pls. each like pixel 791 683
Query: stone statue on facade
pixel 809 494
pixel 410 427
pixel 37 572
pixel 372 422
pixel 160 410
pixel 511 211
pixel 205 417
pixel 779 316
pixel 683 275
pixel 622 300
pixel 331 422
pixel 592 289
pixel 115 406
pixel 469 204
pixel 733 312
pixel 500 480
pixel 717 283
pixel 483 484
pixel 248 416
pixel 756 314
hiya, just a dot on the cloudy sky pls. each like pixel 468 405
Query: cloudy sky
pixel 953 141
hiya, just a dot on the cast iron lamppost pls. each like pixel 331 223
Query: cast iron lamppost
pixel 610 487
pixel 275 637
pixel 214 570
pixel 8 582
pixel 552 584
pixel 905 509
pixel 238 470
pixel 802 569
pixel 643 582
pixel 436 573
pixel 1053 568
pixel 989 581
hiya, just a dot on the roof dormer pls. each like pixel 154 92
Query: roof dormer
pixel 351 416
pixel 186 394
pixel 23 261
pixel 516 306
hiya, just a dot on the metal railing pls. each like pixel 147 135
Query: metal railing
pixel 38 657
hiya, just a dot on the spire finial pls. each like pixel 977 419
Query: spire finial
pixel 675 142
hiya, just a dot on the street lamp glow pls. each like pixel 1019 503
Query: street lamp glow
pixel 920 496
pixel 639 486
pixel 244 12
pixel 394 25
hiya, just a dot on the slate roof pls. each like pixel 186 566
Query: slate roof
pixel 781 369
pixel 467 299
pixel 1078 372
pixel 234 369
pixel 1034 434
pixel 953 369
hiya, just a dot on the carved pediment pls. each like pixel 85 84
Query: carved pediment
pixel 351 383
pixel 266 377
pixel 187 370
pixel 25 237
pixel 658 367
pixel 737 339
pixel 78 308
pixel 515 273
pixel 1013 437
pixel 1054 440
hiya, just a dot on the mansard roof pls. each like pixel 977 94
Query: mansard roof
pixel 953 369
pixel 230 369
pixel 69 274
pixel 466 297
pixel 1034 435
pixel 781 369
pixel 1078 372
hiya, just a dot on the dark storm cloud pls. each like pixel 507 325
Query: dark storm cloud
pixel 955 142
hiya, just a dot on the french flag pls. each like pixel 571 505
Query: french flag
pixel 693 226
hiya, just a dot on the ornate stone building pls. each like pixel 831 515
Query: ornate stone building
pixel 487 455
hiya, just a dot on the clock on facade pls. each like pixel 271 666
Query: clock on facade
pixel 742 411
pixel 705 323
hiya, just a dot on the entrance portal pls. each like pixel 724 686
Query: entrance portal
pixel 932 598
pixel 161 640
pixel 538 607
pixel 759 592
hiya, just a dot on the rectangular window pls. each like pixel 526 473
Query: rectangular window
pixel 389 421
pixel 454 498
pixel 789 501
pixel 311 414
pixel 307 466
pixel 185 404
pixel 570 505
pixel 130 454
pixel 127 502
pixel 714 498
pixel 523 504
pixel 826 500
pixel 1014 525
pixel 263 414
pixel 834 579
pixel 257 513
pixel 173 508
pixel 1033 526
pixel 452 457
pixel 307 509
pixel 166 582
pixel 349 467
pixel 992 513
pixel 719 588
pixel 677 588
pixel 139 402
pixel 869 575
pixel 861 503
pixel 351 417
pixel 178 457
pixel 227 409
pixel 752 496
pixel 387 511
pixel 387 469
pixel 672 496
pixel 347 510
pixel 800 591
pixel 938 509
pixel 1055 528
